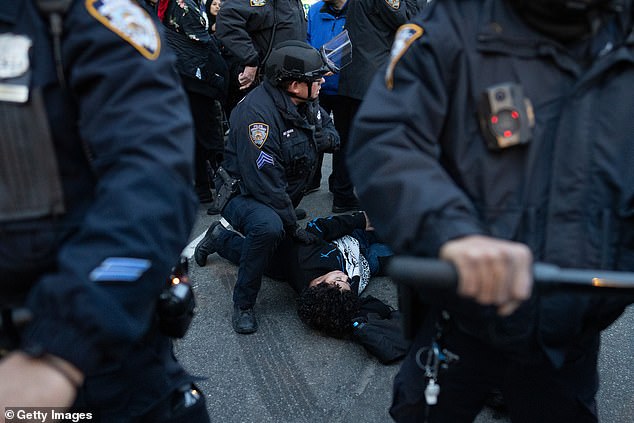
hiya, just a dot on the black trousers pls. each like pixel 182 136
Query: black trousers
pixel 343 111
pixel 209 147
pixel 534 392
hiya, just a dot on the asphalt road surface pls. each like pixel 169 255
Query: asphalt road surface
pixel 287 373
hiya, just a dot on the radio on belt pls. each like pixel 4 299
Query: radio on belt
pixel 506 116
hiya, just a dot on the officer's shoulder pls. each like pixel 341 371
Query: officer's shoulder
pixel 128 22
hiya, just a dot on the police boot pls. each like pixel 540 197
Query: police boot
pixel 206 246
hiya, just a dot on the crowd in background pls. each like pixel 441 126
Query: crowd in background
pixel 222 48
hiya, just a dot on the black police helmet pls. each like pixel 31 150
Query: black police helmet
pixel 294 61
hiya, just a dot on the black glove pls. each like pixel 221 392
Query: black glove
pixel 325 141
pixel 303 236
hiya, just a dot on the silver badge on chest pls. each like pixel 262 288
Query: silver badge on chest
pixel 14 66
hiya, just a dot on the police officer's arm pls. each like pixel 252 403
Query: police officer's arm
pixel 410 197
pixel 396 12
pixel 235 20
pixel 134 119
pixel 262 168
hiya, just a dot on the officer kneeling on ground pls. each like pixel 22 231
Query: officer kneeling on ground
pixel 96 204
pixel 270 156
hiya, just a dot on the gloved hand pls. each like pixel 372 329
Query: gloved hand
pixel 326 142
pixel 301 235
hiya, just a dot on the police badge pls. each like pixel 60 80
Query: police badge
pixel 14 68
pixel 258 133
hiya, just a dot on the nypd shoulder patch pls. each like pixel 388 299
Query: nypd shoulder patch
pixel 257 3
pixel 130 22
pixel 394 4
pixel 258 133
pixel 404 38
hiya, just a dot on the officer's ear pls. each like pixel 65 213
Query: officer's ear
pixel 294 87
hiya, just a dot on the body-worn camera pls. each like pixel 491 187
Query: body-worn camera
pixel 176 303
pixel 506 116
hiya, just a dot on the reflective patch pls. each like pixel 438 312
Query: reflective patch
pixel 404 38
pixel 257 3
pixel 258 132
pixel 119 269
pixel 130 22
pixel 264 159
pixel 14 55
pixel 394 4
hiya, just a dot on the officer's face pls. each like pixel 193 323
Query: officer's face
pixel 304 91
pixel 336 277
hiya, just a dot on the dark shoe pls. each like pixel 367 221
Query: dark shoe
pixel 300 213
pixel 311 189
pixel 213 210
pixel 244 320
pixel 346 207
pixel 205 246
pixel 495 400
pixel 204 196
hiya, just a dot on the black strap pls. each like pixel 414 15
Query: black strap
pixel 54 10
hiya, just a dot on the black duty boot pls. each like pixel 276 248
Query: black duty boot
pixel 205 246
pixel 244 320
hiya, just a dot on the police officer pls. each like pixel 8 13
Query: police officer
pixel 372 25
pixel 97 202
pixel 275 136
pixel 500 133
pixel 249 30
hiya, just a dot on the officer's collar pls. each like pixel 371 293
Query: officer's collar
pixel 501 23
pixel 9 10
pixel 282 100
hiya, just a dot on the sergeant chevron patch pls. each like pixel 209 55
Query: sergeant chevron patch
pixel 404 38
pixel 264 159
pixel 129 21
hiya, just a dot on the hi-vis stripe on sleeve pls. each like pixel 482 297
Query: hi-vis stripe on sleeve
pixel 119 269
pixel 404 38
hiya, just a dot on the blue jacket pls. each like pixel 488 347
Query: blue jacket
pixel 123 138
pixel 323 24
pixel 568 193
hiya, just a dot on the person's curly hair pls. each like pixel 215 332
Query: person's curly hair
pixel 329 309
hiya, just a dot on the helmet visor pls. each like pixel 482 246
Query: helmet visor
pixel 337 53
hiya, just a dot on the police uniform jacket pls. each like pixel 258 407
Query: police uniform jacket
pixel 568 193
pixel 271 147
pixel 123 142
pixel 371 25
pixel 245 27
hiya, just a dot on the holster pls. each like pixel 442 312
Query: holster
pixel 227 187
